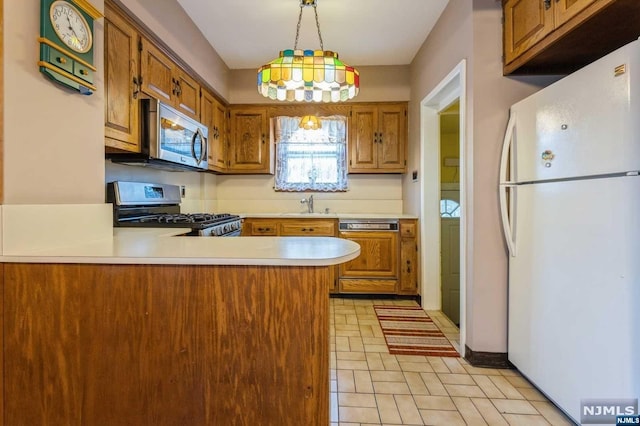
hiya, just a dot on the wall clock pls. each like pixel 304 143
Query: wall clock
pixel 66 43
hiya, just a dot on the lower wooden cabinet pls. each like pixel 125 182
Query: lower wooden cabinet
pixel 408 257
pixel 388 261
pixel 268 227
pixel 376 269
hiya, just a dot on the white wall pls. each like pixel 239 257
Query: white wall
pixel 53 136
pixel 255 194
pixel 472 30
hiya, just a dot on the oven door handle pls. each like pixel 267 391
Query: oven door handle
pixel 203 146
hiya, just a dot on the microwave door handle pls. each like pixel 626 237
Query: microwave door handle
pixel 203 149
pixel 193 146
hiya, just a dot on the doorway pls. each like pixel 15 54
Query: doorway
pixel 449 91
pixel 450 211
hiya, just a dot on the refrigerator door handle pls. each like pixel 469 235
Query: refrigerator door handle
pixel 507 215
pixel 506 173
pixel 507 170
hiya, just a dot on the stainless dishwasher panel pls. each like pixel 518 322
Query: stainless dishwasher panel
pixel 391 225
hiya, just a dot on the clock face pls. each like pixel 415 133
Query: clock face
pixel 70 26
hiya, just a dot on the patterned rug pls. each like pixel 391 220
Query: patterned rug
pixel 408 330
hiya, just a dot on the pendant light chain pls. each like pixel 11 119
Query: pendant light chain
pixel 315 9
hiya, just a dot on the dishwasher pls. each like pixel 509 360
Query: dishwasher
pixel 375 271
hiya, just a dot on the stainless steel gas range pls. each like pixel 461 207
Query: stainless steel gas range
pixel 157 205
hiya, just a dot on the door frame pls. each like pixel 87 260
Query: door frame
pixel 450 89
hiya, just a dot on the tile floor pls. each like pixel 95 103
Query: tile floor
pixel 371 387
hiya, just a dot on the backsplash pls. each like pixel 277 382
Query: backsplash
pixel 206 192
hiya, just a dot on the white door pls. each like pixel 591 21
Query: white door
pixel 584 124
pixel 574 286
pixel 450 253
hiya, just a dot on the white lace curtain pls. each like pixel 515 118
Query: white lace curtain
pixel 311 159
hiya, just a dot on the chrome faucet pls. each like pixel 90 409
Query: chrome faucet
pixel 308 202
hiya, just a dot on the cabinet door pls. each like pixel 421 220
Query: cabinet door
pixel 307 227
pixel 187 94
pixel 259 227
pixel 121 68
pixel 363 139
pixel 392 130
pixel 378 255
pixel 156 70
pixel 567 9
pixel 249 145
pixel 408 258
pixel 525 23
pixel 220 137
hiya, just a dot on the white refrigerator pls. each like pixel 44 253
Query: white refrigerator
pixel 570 203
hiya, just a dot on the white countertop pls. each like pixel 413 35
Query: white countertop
pixel 164 246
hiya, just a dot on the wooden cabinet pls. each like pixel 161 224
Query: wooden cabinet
pixel 377 138
pixel 560 36
pixel 121 121
pixel 268 227
pixel 376 269
pixel 255 227
pixel 408 257
pixel 249 149
pixel 163 79
pixel 213 115
pixel 308 227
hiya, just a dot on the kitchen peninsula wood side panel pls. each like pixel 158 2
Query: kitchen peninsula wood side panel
pixel 166 345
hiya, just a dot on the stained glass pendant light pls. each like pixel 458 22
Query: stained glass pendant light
pixel 308 75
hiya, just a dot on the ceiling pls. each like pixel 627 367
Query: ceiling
pixel 250 33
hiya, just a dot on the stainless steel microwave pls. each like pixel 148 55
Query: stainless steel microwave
pixel 169 140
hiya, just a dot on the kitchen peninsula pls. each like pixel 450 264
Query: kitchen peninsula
pixel 148 328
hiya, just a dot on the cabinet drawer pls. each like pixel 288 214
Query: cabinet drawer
pixel 60 60
pixel 367 286
pixel 321 228
pixel 407 229
pixel 83 72
pixel 261 228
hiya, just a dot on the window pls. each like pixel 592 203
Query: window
pixel 449 208
pixel 311 160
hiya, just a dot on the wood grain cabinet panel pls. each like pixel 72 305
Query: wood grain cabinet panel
pixel 308 227
pixel 259 227
pixel 163 79
pixel 212 115
pixel 165 345
pixel 561 36
pixel 377 138
pixel 249 149
pixel 121 70
pixel 378 255
pixel 408 257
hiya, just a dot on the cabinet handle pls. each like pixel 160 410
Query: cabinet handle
pixel 408 266
pixel 178 88
pixel 380 138
pixel 263 138
pixel 375 137
pixel 61 60
pixel 547 4
pixel 136 87
pixel 173 84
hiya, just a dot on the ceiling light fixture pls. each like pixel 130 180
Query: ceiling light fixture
pixel 308 75
pixel 310 122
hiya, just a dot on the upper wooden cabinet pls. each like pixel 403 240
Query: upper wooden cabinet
pixel 213 115
pixel 121 121
pixel 377 138
pixel 163 79
pixel 560 36
pixel 249 148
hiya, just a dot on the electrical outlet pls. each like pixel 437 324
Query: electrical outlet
pixel 183 191
pixel 414 175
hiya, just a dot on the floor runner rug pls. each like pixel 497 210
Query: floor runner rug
pixel 408 330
